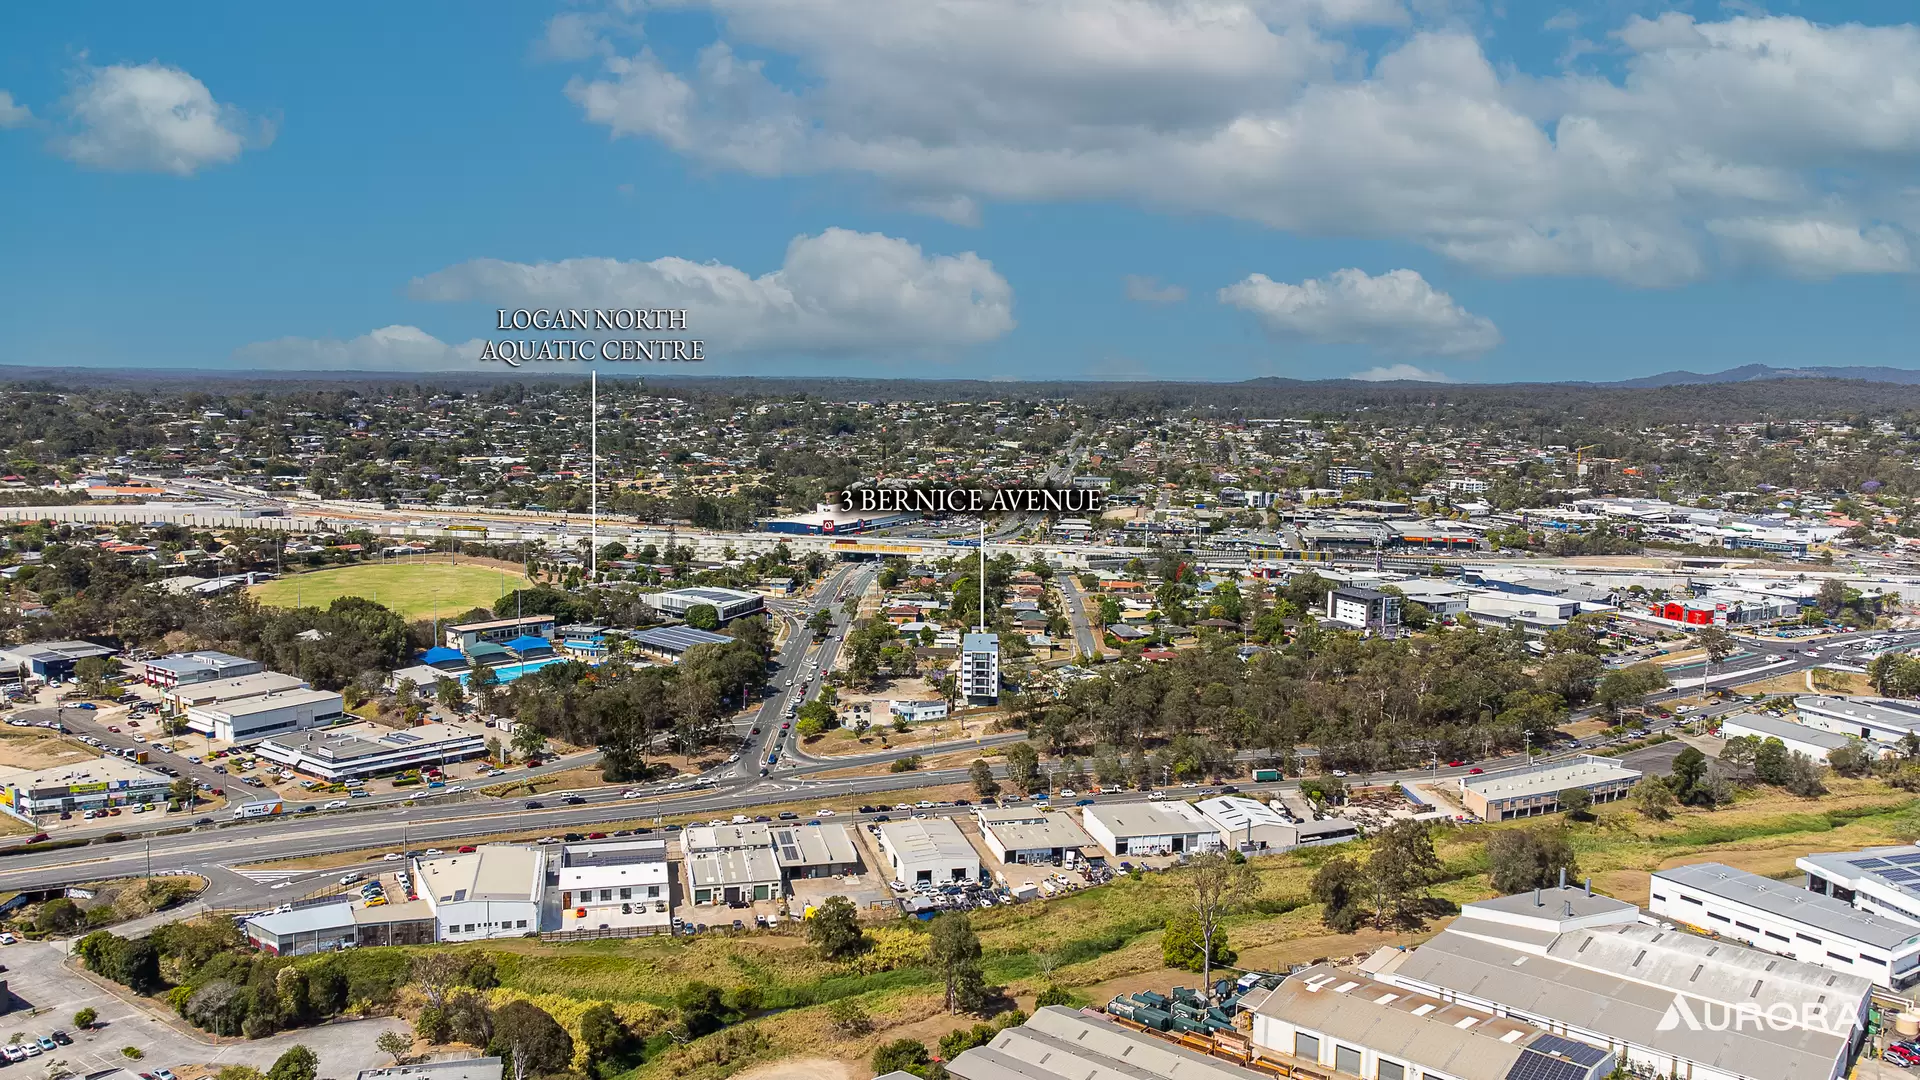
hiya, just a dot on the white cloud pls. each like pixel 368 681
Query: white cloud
pixel 1146 290
pixel 1271 112
pixel 152 118
pixel 1400 373
pixel 1396 312
pixel 391 348
pixel 1816 249
pixel 838 292
pixel 12 113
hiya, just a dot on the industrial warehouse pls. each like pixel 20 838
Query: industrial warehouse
pixel 1789 920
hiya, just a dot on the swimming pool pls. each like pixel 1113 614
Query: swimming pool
pixel 506 673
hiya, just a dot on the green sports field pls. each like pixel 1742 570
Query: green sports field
pixel 414 590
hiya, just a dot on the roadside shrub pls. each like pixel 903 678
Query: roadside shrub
pixel 892 947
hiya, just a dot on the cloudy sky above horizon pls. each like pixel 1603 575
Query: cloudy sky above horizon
pixel 1459 190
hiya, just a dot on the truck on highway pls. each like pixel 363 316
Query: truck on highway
pixel 258 808
pixel 1266 776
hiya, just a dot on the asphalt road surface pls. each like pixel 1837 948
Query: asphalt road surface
pixel 449 818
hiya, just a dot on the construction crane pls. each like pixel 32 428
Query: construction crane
pixel 1580 454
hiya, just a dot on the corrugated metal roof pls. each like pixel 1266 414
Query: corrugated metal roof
pixel 1791 902
pixel 1621 981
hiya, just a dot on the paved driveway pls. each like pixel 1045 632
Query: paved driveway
pixel 40 980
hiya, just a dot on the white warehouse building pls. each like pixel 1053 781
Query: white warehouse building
pixel 928 850
pixel 493 892
pixel 1814 742
pixel 1881 880
pixel 255 718
pixel 1151 828
pixel 619 884
pixel 1877 719
pixel 1584 967
pixel 1791 921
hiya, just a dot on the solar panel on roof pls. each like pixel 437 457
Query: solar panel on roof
pixel 1900 875
pixel 1910 859
pixel 1568 1048
pixel 1869 864
pixel 1536 1066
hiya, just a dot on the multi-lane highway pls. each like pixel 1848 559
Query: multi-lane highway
pixel 794 779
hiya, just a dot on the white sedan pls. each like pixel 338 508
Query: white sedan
pixel 392 856
pixel 335 804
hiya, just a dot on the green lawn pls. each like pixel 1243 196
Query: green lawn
pixel 414 590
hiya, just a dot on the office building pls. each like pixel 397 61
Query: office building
pixel 1669 1002
pixel 929 851
pixel 729 604
pixel 615 885
pixel 1881 880
pixel 980 668
pixel 914 712
pixel 464 636
pixel 183 669
pixel 254 718
pixel 1151 828
pixel 493 892
pixel 81 786
pixel 1363 609
pixel 1530 791
pixel 1789 920
pixel 1018 834
pixel 360 750
pixel 217 692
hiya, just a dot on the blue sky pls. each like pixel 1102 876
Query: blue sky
pixel 1215 189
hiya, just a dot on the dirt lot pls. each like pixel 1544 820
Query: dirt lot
pixel 567 780
pixel 805 1069
pixel 842 741
pixel 952 759
pixel 37 748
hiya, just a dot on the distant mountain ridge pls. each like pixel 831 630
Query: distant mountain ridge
pixel 1761 372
